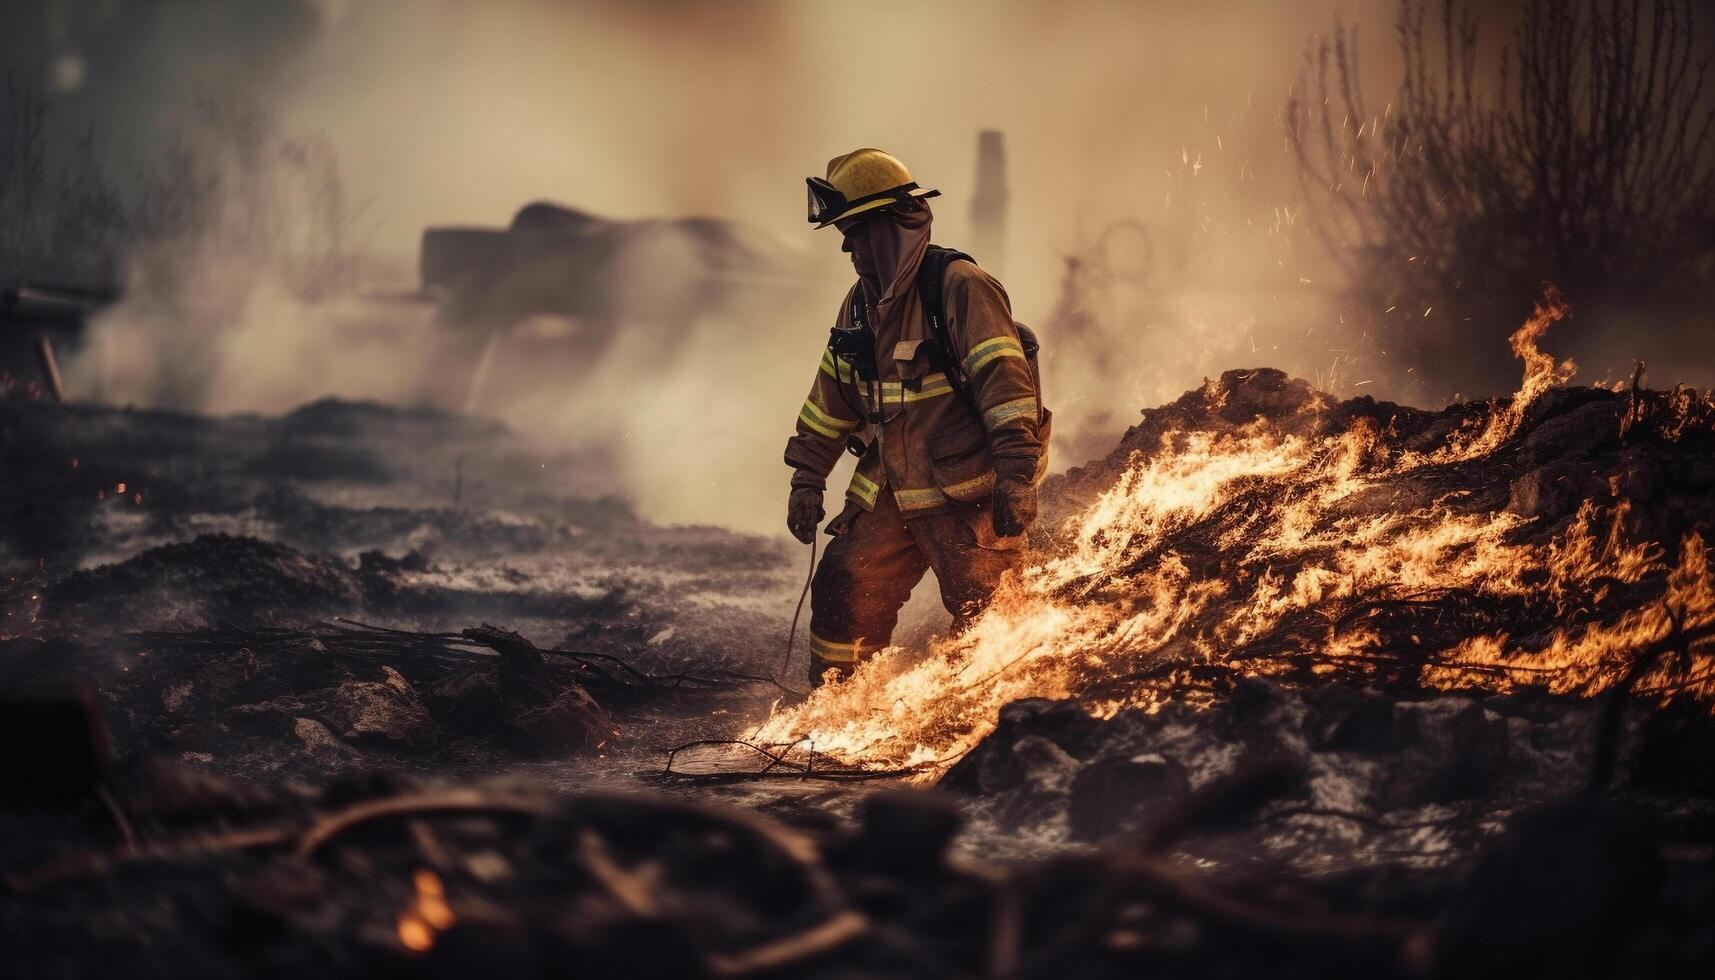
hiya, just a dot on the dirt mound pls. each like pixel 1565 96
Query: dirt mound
pixel 340 417
pixel 272 701
pixel 215 577
pixel 1238 399
pixel 1570 445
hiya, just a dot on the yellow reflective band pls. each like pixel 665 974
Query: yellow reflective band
pixel 919 499
pixel 840 653
pixel 983 482
pixel 932 386
pixel 808 421
pixel 989 350
pixel 1007 411
pixel 865 489
pixel 835 368
pixel 813 416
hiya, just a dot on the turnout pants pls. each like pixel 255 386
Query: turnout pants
pixel 876 559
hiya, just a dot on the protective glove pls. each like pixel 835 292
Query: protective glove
pixel 1014 502
pixel 804 510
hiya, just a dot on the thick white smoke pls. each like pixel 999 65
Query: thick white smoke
pixel 1160 115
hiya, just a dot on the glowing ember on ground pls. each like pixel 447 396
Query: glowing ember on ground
pixel 428 913
pixel 1247 552
pixel 414 933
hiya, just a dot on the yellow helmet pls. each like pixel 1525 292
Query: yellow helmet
pixel 859 181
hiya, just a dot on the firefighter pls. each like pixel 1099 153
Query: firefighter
pixel 927 379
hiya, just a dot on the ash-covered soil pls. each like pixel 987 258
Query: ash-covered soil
pixel 323 762
pixel 180 565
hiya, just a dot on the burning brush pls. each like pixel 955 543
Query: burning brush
pixel 1479 547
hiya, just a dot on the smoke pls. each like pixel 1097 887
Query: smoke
pixel 696 392
pixel 1143 142
pixel 239 280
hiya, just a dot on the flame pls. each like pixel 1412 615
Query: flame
pixel 1540 374
pixel 415 934
pixel 1249 552
pixel 428 915
pixel 1582 661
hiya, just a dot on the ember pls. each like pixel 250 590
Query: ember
pixel 428 914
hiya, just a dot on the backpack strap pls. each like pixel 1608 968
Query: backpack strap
pixel 931 275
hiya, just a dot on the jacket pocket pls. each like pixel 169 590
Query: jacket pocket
pixel 959 458
pixel 981 523
pixel 843 521
pixel 1044 430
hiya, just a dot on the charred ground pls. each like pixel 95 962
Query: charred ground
pixel 324 762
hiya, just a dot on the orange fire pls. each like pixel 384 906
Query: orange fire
pixel 1119 617
pixel 415 934
pixel 428 914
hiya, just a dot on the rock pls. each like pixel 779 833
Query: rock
pixel 1032 781
pixel 175 695
pixel 1555 489
pixel 273 718
pixel 1259 702
pixel 1119 795
pixel 1583 430
pixel 1062 724
pixel 317 739
pixel 1269 722
pixel 1009 766
pixel 1035 762
pixel 571 721
pixel 387 710
pixel 1455 749
pixel 906 831
pixel 1350 719
pixel 1242 395
pixel 467 700
pixel 1560 401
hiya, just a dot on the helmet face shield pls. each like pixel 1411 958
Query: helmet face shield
pixel 828 205
pixel 825 200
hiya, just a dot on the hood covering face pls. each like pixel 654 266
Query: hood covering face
pixel 886 251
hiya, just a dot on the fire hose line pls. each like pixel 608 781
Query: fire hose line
pixel 792 634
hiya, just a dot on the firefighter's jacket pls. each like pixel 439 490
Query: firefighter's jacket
pixel 932 447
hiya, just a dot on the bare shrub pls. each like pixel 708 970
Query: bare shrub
pixel 234 192
pixel 230 189
pixel 1580 155
pixel 234 236
pixel 23 168
pixel 230 238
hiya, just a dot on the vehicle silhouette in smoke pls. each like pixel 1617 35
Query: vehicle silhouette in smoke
pixel 558 286
pixel 37 323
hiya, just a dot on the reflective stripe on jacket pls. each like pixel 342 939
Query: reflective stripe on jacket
pixel 930 446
